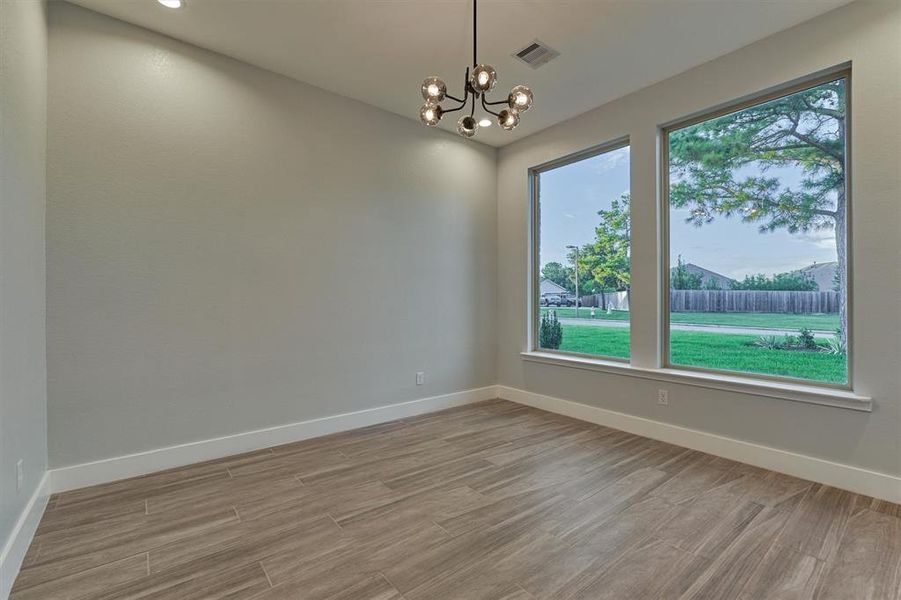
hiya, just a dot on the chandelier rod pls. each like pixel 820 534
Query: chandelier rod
pixel 474 30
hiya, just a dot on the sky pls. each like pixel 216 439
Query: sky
pixel 571 196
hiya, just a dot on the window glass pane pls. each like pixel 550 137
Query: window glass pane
pixel 583 256
pixel 757 239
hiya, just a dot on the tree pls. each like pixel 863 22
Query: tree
pixel 712 284
pixel 606 260
pixel 683 279
pixel 557 273
pixel 805 130
pixel 779 282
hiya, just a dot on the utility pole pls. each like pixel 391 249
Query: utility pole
pixel 575 250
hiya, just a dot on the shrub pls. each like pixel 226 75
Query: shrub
pixel 779 282
pixel 550 332
pixel 835 345
pixel 806 339
pixel 770 342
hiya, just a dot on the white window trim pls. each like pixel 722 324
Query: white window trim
pixel 819 393
pixel 842 71
pixel 534 270
pixel 811 394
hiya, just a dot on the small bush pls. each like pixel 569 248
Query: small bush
pixel 807 340
pixel 550 331
pixel 770 342
pixel 834 345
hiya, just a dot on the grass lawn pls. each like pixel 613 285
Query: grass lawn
pixel 721 351
pixel 819 322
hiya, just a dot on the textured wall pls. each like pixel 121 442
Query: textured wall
pixel 869 35
pixel 23 374
pixel 228 249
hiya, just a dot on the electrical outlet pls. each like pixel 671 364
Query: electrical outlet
pixel 420 377
pixel 663 397
pixel 20 474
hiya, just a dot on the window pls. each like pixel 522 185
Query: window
pixel 582 226
pixel 756 207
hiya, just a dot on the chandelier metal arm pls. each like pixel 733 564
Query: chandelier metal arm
pixel 488 110
pixel 450 110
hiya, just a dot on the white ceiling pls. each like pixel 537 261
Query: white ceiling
pixel 379 51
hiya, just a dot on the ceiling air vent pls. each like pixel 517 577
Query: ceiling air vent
pixel 536 54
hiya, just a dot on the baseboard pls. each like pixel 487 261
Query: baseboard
pixel 132 465
pixel 855 479
pixel 20 538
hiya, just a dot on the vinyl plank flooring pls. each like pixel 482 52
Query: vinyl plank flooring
pixel 67 518
pixel 783 574
pixel 424 507
pixel 867 562
pixel 711 521
pixel 85 583
pixel 491 501
pixel 731 569
pixel 700 473
pixel 69 552
pixel 313 500
pixel 819 523
pixel 537 508
pixel 653 570
pixel 253 541
pixel 375 587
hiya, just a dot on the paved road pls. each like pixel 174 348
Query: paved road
pixel 702 328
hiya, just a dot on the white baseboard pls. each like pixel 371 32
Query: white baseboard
pixel 122 467
pixel 855 479
pixel 20 538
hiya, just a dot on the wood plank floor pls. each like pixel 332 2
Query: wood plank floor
pixel 492 501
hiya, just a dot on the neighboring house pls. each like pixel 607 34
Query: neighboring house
pixel 546 286
pixel 822 273
pixel 722 282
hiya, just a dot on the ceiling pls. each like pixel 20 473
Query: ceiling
pixel 379 51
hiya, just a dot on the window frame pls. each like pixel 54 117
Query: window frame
pixel 534 267
pixel 841 72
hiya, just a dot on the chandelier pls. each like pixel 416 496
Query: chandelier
pixel 479 80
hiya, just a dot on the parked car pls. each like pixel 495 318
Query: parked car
pixel 557 300
pixel 552 300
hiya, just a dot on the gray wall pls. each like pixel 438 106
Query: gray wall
pixel 23 380
pixel 866 33
pixel 228 249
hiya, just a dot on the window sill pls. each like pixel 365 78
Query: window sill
pixel 771 389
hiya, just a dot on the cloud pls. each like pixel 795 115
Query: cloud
pixel 820 239
pixel 611 160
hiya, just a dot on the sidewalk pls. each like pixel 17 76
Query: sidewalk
pixel 702 328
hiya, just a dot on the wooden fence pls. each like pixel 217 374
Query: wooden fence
pixel 754 301
pixel 731 301
pixel 611 300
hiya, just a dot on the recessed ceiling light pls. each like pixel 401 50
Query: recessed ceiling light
pixel 172 3
pixel 485 123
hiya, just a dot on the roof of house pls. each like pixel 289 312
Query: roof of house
pixel 707 275
pixel 546 286
pixel 822 273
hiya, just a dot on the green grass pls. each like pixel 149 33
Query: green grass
pixel 818 322
pixel 721 351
